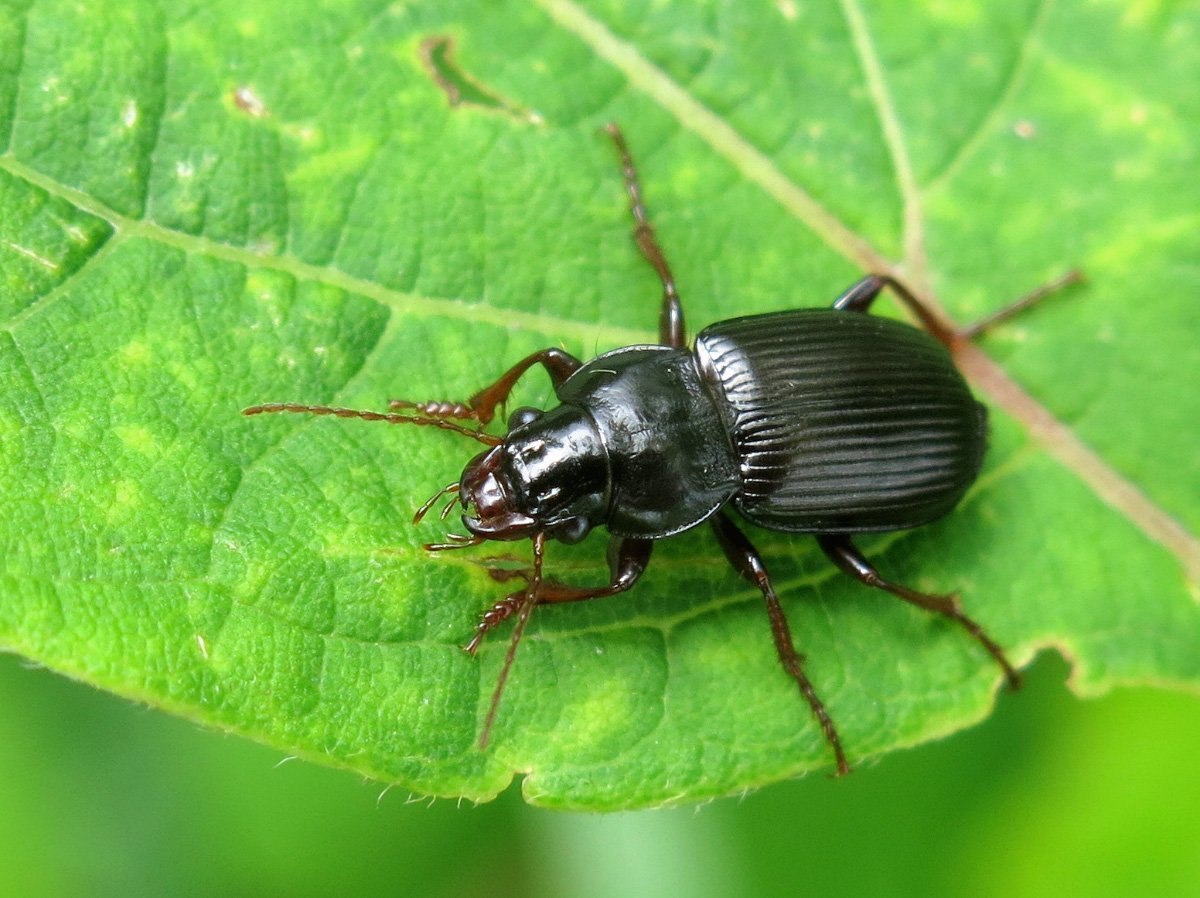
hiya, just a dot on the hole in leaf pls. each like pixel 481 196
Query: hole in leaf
pixel 460 88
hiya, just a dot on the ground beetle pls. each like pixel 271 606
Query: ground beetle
pixel 824 421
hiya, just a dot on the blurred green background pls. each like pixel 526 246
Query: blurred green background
pixel 1050 796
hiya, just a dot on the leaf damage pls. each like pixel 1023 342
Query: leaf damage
pixel 463 89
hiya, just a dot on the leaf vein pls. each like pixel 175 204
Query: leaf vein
pixel 47 299
pixel 913 230
pixel 398 300
pixel 714 130
pixel 987 122
pixel 21 24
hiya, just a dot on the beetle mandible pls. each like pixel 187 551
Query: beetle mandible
pixel 824 421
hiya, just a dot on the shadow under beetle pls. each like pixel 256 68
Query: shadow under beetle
pixel 823 421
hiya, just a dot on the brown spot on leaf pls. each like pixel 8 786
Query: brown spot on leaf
pixel 245 99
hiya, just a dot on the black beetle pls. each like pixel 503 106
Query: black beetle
pixel 824 421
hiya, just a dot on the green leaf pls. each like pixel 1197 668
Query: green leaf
pixel 204 208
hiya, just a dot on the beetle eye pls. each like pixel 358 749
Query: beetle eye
pixel 572 530
pixel 522 416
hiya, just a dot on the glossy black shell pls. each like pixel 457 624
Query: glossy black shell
pixel 671 462
pixel 842 422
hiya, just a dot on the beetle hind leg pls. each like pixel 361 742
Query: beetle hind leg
pixel 1017 306
pixel 862 294
pixel 842 552
pixel 747 562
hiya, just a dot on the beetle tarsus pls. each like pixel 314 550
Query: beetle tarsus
pixel 482 406
pixel 338 412
pixel 494 617
pixel 435 409
pixel 523 605
pixel 1033 297
pixel 627 560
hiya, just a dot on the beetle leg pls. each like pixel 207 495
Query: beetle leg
pixel 482 406
pixel 860 296
pixel 747 562
pixel 1074 276
pixel 671 330
pixel 423 420
pixel 842 552
pixel 627 561
pixel 492 618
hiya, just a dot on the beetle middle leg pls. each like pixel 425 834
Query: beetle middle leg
pixel 747 562
pixel 482 406
pixel 671 330
pixel 842 552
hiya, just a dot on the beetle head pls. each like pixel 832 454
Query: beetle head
pixel 487 496
pixel 550 475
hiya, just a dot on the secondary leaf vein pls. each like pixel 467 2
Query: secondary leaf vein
pixel 61 289
pixel 411 303
pixel 987 123
pixel 893 137
pixel 755 166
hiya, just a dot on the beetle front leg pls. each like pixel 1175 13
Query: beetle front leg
pixel 627 561
pixel 482 406
pixel 747 562
pixel 842 552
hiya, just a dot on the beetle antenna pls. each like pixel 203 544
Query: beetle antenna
pixel 429 503
pixel 274 407
pixel 524 610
